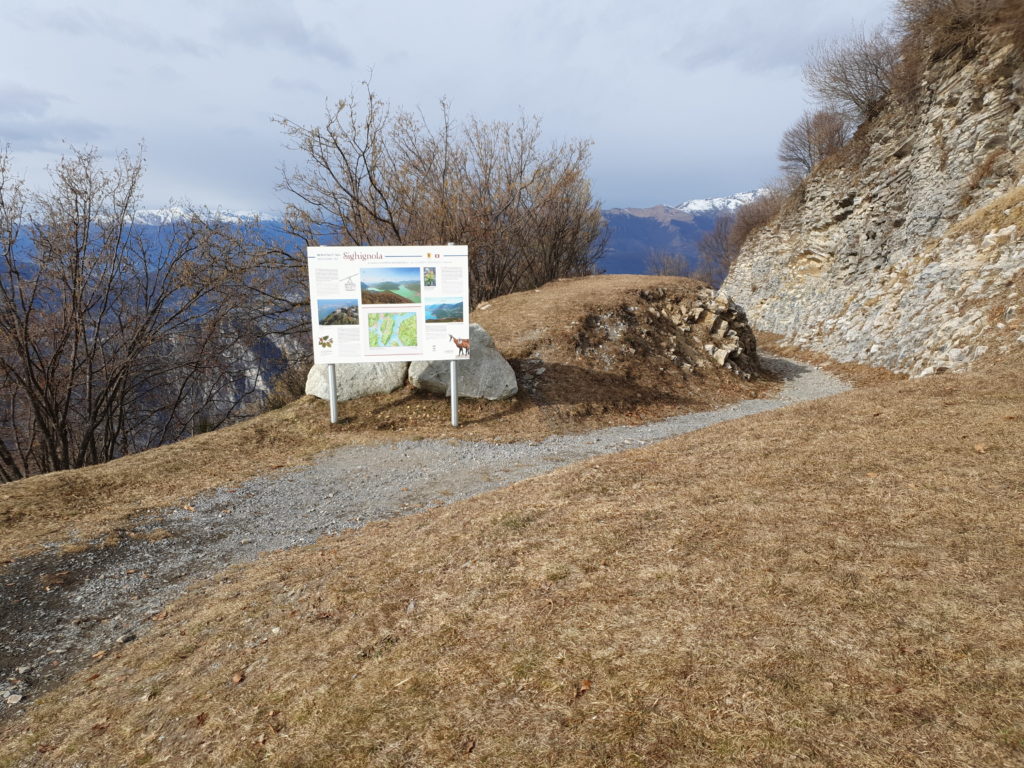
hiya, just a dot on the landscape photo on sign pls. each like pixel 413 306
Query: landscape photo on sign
pixel 446 310
pixel 337 312
pixel 390 285
pixel 391 329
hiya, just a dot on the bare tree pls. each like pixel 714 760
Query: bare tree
pixel 815 136
pixel 854 74
pixel 715 253
pixel 113 339
pixel 667 263
pixel 721 248
pixel 374 175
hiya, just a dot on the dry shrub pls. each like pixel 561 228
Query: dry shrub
pixel 714 255
pixel 665 263
pixel 815 136
pixel 755 214
pixel 288 386
pixel 934 30
pixel 853 74
pixel 374 174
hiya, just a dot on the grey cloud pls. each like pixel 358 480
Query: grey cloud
pixel 82 22
pixel 48 134
pixel 27 123
pixel 23 102
pixel 275 26
pixel 296 84
pixel 765 36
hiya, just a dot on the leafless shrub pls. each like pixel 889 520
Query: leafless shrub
pixel 289 386
pixel 754 215
pixel 933 30
pixel 374 175
pixel 715 255
pixel 667 263
pixel 853 75
pixel 111 340
pixel 815 136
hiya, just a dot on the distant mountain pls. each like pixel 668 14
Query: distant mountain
pixel 154 217
pixel 634 233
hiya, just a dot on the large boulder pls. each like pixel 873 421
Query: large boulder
pixel 486 374
pixel 357 379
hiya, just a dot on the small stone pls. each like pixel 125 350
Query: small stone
pixel 126 638
pixel 23 670
pixel 14 699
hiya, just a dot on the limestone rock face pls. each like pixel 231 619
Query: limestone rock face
pixel 357 379
pixel 486 374
pixel 906 250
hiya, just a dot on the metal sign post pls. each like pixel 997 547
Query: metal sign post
pixel 455 393
pixel 332 391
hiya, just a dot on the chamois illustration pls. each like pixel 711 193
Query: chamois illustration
pixel 462 344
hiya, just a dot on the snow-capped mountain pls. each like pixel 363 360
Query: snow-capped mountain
pixel 719 204
pixel 154 217
pixel 634 234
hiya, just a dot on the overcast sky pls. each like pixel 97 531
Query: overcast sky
pixel 682 98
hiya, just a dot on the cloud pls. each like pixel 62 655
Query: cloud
pixel 765 36
pixel 27 122
pixel 277 26
pixel 81 23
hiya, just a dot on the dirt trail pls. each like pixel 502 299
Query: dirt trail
pixel 57 611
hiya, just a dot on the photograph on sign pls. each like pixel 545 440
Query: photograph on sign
pixel 389 303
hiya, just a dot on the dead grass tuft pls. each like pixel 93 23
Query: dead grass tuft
pixel 835 583
pixel 1004 210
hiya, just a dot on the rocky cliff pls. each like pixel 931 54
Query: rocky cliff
pixel 907 249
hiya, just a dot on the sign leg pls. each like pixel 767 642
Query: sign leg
pixel 332 390
pixel 455 393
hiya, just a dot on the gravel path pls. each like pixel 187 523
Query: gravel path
pixel 57 611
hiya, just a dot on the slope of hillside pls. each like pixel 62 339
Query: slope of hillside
pixel 831 584
pixel 589 353
pixel 907 249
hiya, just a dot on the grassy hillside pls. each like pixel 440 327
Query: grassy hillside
pixel 837 583
pixel 77 506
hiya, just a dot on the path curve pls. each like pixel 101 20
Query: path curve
pixel 108 593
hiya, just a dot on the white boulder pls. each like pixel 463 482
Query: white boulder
pixel 357 379
pixel 486 374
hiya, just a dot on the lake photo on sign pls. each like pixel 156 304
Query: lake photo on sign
pixel 444 310
pixel 394 285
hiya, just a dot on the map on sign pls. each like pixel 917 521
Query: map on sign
pixel 370 304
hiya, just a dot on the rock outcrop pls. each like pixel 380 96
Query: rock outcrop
pixel 907 249
pixel 485 374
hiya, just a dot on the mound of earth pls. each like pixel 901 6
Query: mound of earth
pixel 623 342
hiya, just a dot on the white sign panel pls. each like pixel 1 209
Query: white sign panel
pixel 372 304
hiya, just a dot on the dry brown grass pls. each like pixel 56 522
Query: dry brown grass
pixel 1004 210
pixel 837 583
pixel 76 506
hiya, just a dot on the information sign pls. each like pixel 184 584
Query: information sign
pixel 373 304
